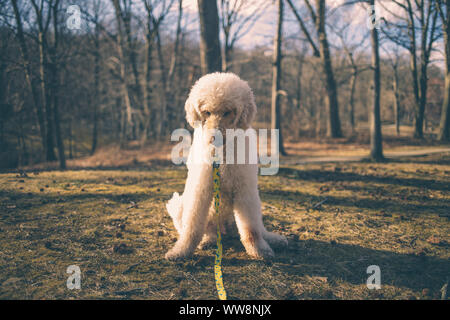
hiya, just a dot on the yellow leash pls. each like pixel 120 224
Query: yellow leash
pixel 217 263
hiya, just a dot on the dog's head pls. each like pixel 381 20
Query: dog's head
pixel 220 101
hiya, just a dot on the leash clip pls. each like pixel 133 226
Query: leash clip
pixel 216 163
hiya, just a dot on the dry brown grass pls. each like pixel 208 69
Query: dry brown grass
pixel 113 224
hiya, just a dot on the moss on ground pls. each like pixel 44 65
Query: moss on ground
pixel 339 219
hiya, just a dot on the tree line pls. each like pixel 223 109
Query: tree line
pixel 123 76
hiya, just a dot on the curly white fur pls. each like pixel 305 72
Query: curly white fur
pixel 219 101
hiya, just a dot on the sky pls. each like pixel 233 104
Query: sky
pixel 263 30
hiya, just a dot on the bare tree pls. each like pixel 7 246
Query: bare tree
pixel 29 74
pixel 97 57
pixel 43 17
pixel 154 22
pixel 376 144
pixel 162 68
pixel 418 22
pixel 120 45
pixel 210 54
pixel 300 58
pixel 444 127
pixel 322 50
pixel 276 77
pixel 54 67
pixel 350 47
pixel 46 13
pixel 176 48
pixel 237 17
pixel 149 39
pixel 394 59
pixel 173 90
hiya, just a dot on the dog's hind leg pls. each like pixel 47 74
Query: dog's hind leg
pixel 175 209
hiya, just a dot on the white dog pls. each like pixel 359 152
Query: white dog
pixel 219 101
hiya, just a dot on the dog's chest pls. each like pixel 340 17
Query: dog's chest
pixel 226 178
pixel 235 177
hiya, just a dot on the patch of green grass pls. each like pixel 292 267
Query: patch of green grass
pixel 339 219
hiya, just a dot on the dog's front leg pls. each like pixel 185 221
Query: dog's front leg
pixel 197 199
pixel 247 208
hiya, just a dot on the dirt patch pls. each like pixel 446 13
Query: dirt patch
pixel 339 219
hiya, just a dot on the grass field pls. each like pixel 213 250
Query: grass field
pixel 339 219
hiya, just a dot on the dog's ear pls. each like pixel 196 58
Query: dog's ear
pixel 192 115
pixel 248 113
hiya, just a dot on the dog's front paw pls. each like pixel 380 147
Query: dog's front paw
pixel 276 240
pixel 177 253
pixel 206 243
pixel 280 241
pixel 265 253
pixel 174 255
pixel 260 250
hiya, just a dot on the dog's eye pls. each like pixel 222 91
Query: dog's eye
pixel 226 113
pixel 207 113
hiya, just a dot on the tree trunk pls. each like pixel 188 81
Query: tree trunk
pixel 146 87
pixel 226 58
pixel 175 55
pixel 28 76
pixel 172 90
pixel 413 61
pixel 318 117
pixel 396 101
pixel 43 76
pixel 162 123
pixel 55 80
pixel 376 147
pixel 420 107
pixel 70 138
pixel 276 78
pixel 210 55
pixel 97 57
pixel 334 124
pixel 131 51
pixel 444 127
pixel 352 99
pixel 95 127
pixel 415 77
pixel 59 139
pixel 123 77
pixel 427 16
pixel 45 95
pixel 299 83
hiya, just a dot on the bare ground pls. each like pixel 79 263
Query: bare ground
pixel 339 219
